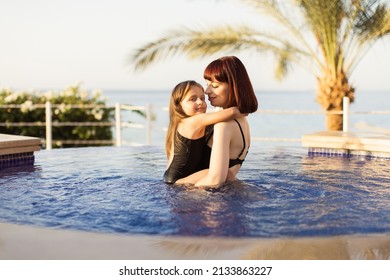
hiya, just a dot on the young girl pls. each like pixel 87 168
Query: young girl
pixel 186 137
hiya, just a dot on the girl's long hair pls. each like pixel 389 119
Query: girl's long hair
pixel 176 113
pixel 230 70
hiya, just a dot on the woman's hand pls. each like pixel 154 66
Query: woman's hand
pixel 230 176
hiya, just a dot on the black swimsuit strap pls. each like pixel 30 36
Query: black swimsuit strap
pixel 243 139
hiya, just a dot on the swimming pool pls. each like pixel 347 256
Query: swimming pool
pixel 282 192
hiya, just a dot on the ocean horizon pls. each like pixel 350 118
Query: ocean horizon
pixel 275 125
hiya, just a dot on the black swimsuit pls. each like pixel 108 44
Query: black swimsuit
pixel 191 156
pixel 232 162
pixel 188 158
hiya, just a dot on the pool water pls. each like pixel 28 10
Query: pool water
pixel 282 192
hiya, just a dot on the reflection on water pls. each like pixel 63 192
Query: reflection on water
pixel 216 213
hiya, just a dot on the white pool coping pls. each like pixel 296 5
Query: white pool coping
pixel 35 243
pixel 351 142
pixel 15 144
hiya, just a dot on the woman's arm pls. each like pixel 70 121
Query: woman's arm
pixel 220 154
pixel 193 178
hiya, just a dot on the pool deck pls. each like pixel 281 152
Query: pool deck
pixel 33 243
pixel 13 144
pixel 347 143
pixel 17 150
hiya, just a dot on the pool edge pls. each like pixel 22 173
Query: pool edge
pixel 339 143
pixel 35 243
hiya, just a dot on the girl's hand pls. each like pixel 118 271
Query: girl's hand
pixel 237 113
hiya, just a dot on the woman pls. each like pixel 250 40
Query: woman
pixel 228 85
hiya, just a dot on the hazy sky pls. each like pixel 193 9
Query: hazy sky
pixel 56 43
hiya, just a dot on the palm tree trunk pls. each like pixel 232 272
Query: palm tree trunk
pixel 334 121
pixel 330 93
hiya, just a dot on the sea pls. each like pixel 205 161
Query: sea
pixel 283 116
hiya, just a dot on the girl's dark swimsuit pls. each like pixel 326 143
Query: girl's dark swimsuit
pixel 188 158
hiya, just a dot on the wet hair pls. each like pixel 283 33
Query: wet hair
pixel 176 112
pixel 230 70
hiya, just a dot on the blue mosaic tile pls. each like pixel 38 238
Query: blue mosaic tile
pixel 16 160
pixel 329 152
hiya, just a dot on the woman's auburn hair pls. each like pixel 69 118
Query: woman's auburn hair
pixel 176 113
pixel 230 70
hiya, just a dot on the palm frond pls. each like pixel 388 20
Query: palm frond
pixel 203 43
pixel 287 14
pixel 372 21
pixel 282 66
pixel 324 19
pixel 327 37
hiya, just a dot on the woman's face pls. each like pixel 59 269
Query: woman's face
pixel 194 102
pixel 218 93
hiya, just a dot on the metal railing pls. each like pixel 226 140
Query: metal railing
pixel 118 124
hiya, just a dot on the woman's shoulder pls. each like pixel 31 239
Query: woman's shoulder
pixel 232 125
pixel 227 126
pixel 224 124
pixel 232 122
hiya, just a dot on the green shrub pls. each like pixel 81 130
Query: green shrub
pixel 32 110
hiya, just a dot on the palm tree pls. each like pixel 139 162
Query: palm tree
pixel 328 38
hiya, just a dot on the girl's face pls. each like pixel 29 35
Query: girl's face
pixel 218 93
pixel 194 102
